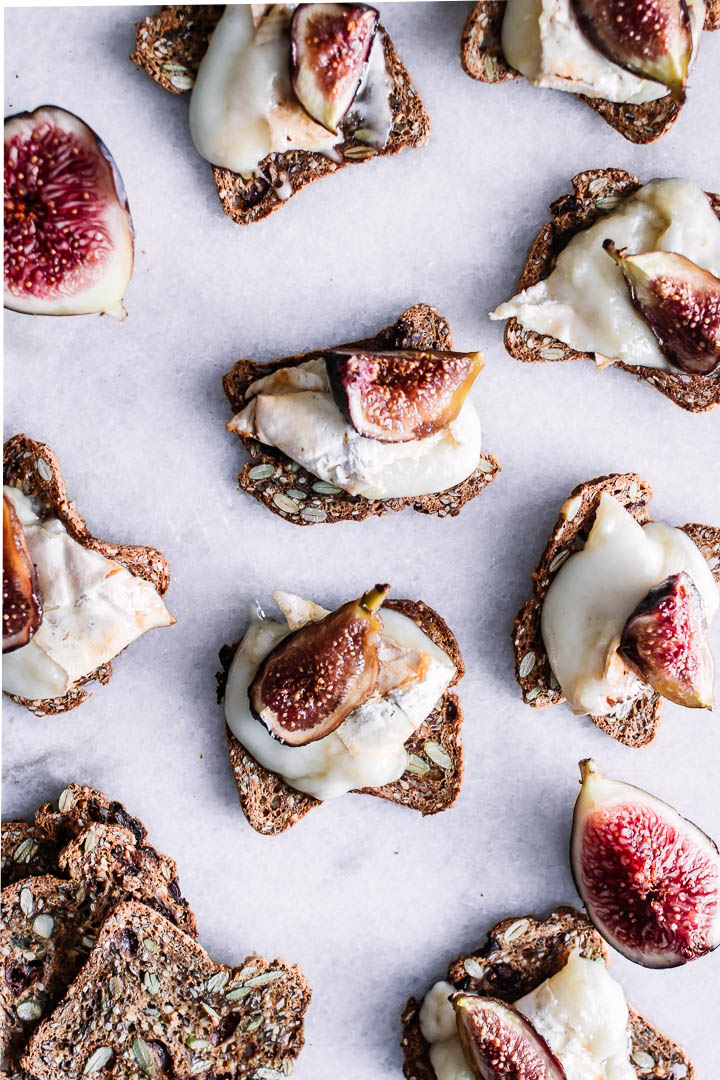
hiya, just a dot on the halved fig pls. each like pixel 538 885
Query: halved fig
pixel 68 230
pixel 650 38
pixel 400 396
pixel 22 599
pixel 330 44
pixel 680 302
pixel 500 1044
pixel 665 642
pixel 649 878
pixel 316 676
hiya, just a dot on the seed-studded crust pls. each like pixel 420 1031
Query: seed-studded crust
pixel 519 954
pixel 532 667
pixel 596 192
pixel 143 962
pixel 420 327
pixel 170 46
pixel 79 807
pixel 33 468
pixel 482 58
pixel 26 852
pixel 271 806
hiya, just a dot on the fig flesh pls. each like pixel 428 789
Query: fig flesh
pixel 315 677
pixel 649 878
pixel 500 1044
pixel 650 38
pixel 680 302
pixel 22 599
pixel 68 230
pixel 400 396
pixel 665 642
pixel 329 46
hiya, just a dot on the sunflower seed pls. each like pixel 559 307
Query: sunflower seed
pixel 558 561
pixel 484 465
pixel 29 1009
pixel 43 926
pixel 526 664
pixel 174 67
pixel 44 469
pixel 265 978
pixel 238 993
pixel 25 850
pixel 323 488
pixel 98 1060
pixel 182 82
pixel 27 901
pixel 65 801
pixel 474 970
pixel 489 66
pixel 314 514
pixel 195 1042
pixel 643 1059
pixel 151 982
pixel 217 982
pixel 359 153
pixel 284 502
pixel 262 472
pixel 438 754
pixel 417 765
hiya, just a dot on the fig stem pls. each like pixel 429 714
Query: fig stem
pixel 587 768
pixel 373 599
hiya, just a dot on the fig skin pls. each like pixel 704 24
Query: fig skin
pixel 400 396
pixel 22 598
pixel 523 1054
pixel 649 878
pixel 680 302
pixel 315 677
pixel 665 642
pixel 69 241
pixel 650 38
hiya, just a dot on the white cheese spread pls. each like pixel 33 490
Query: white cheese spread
pixel 93 609
pixel 585 301
pixel 367 749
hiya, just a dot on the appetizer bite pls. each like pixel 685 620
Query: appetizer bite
pixel 282 94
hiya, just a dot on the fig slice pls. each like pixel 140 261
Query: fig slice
pixel 68 230
pixel 315 677
pixel 665 642
pixel 650 38
pixel 329 45
pixel 400 396
pixel 649 878
pixel 22 599
pixel 680 302
pixel 500 1044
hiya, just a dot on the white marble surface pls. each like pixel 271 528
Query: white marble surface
pixel 370 899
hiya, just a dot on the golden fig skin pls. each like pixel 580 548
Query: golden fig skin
pixel 22 599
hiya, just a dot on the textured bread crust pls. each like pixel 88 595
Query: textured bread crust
pixel 596 192
pixel 482 58
pixel 312 501
pixel 519 954
pixel 271 806
pixel 171 44
pixel 532 667
pixel 34 469
pixel 143 962
pixel 77 808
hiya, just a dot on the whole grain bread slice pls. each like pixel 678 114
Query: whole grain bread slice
pixel 638 725
pixel 518 955
pixel 77 808
pixel 169 47
pixel 431 782
pixel 33 468
pixel 295 494
pixel 482 58
pixel 597 191
pixel 150 1001
pixel 26 852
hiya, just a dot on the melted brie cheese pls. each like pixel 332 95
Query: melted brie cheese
pixel 585 301
pixel 367 749
pixel 93 609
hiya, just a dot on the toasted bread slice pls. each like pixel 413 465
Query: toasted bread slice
pixel 169 1010
pixel 271 806
pixel 271 477
pixel 482 58
pixel 639 726
pixel 34 469
pixel 171 44
pixel 597 191
pixel 519 954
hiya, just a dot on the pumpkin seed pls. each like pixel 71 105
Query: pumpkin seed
pixel 269 1074
pixel 527 664
pixel 558 561
pixel 314 514
pixel 199 1066
pixel 144 1056
pixel 249 970
pixel 285 503
pixel 44 469
pixel 262 472
pixel 571 508
pixel 597 185
pixel 438 754
pixel 532 694
pixel 484 465
pixel 238 993
pixel 43 925
pixel 552 354
pixel 98 1060
pixel 91 841
pixel 489 67
pixel 417 765
pixel 29 1009
pixel 643 1059
pixel 150 945
pixel 322 487
pixel 474 970
pixel 359 153
pixel 151 982
pixel 182 82
pixel 65 801
pixel 265 978
pixel 253 1025
pixel 210 1011
pixel 217 982
pixel 296 493
pixel 516 930
pixel 633 491
pixel 195 1042
pixel 27 901
pixel 25 850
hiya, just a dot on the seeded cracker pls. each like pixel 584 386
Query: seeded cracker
pixel 26 852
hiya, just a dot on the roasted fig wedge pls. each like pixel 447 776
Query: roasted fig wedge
pixel 500 1044
pixel 316 676
pixel 665 642
pixel 330 44
pixel 650 879
pixel 22 600
pixel 680 302
pixel 400 396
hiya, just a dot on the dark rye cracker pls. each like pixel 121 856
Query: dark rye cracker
pixel 482 58
pixel 150 1001
pixel 33 468
pixel 169 47
pixel 532 667
pixel 271 806
pixel 597 191
pixel 297 495
pixel 518 955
